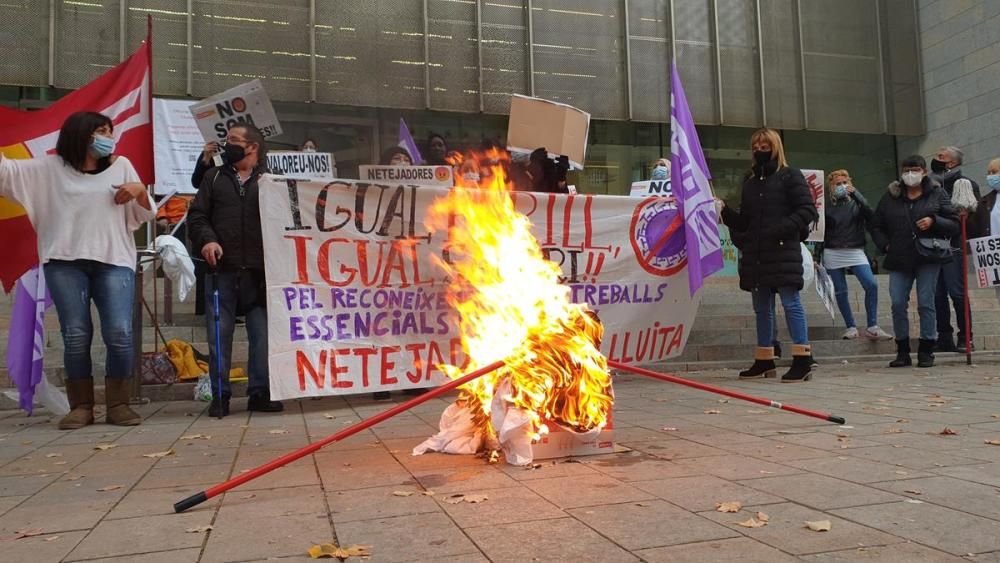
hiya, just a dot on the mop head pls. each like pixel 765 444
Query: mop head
pixel 962 197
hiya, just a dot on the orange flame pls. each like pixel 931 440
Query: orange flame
pixel 513 308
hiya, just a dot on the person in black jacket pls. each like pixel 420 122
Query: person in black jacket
pixel 847 219
pixel 225 224
pixel 946 170
pixel 775 214
pixel 915 208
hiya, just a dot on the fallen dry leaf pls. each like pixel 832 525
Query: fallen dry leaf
pixel 24 533
pixel 761 517
pixel 993 442
pixel 332 550
pixel 819 525
pixel 103 447
pixel 248 497
pixel 948 432
pixel 454 499
pixel 198 529
pixel 159 454
pixel 53 455
pixel 642 504
pixel 109 488
pixel 53 538
pixel 752 523
pixel 427 493
pixel 196 437
pixel 894 431
pixel 734 506
pixel 903 420
pixel 73 477
pixel 475 499
pixel 328 416
pixel 402 493
pixel 713 411
pixel 278 431
pixel 913 492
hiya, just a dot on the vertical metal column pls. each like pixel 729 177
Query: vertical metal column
pixel 628 60
pixel 881 67
pixel 760 64
pixel 531 48
pixel 312 50
pixel 479 51
pixel 718 60
pixel 190 48
pixel 802 64
pixel 122 28
pixel 52 42
pixel 427 60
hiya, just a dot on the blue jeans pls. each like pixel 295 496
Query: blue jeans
pixel 256 324
pixel 795 315
pixel 73 284
pixel 950 285
pixel 867 279
pixel 900 284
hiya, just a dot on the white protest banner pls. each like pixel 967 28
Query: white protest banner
pixel 246 103
pixel 815 179
pixel 317 166
pixel 356 302
pixel 416 175
pixel 651 187
pixel 177 145
pixel 986 260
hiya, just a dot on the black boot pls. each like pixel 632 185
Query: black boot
pixel 925 354
pixel 260 401
pixel 902 355
pixel 801 369
pixel 945 343
pixel 960 345
pixel 763 364
pixel 219 407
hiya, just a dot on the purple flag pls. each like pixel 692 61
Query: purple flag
pixel 26 339
pixel 689 181
pixel 406 141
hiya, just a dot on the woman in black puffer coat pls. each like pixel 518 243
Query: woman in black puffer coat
pixel 915 209
pixel 775 213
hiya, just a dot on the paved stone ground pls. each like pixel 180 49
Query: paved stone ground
pixel 892 486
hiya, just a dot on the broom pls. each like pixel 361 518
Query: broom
pixel 963 198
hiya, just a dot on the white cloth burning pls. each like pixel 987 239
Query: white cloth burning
pixel 457 434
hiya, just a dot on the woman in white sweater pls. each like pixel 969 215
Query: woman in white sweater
pixel 84 204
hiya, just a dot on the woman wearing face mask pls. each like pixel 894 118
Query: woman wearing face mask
pixel 396 156
pixel 661 170
pixel 916 212
pixel 84 203
pixel 775 212
pixel 847 219
pixel 985 221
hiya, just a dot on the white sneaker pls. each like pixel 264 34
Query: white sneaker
pixel 850 334
pixel 876 333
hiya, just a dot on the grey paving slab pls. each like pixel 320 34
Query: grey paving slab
pixel 408 538
pixel 820 491
pixel 895 553
pixel 561 539
pixel 701 492
pixel 911 458
pixel 744 550
pixel 855 469
pixel 378 502
pixel 973 498
pixel 786 530
pixel 637 466
pixel 590 490
pixel 152 502
pixel 737 467
pixel 956 532
pixel 171 556
pixel 503 506
pixel 143 534
pixel 647 524
pixel 45 547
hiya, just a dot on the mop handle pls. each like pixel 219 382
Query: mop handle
pixel 217 320
pixel 201 497
pixel 713 389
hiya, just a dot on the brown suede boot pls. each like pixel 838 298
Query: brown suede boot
pixel 81 403
pixel 116 398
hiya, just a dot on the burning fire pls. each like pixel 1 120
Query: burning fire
pixel 513 308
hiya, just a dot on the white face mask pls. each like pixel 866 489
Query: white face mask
pixel 912 178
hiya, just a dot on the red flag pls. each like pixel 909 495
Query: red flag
pixel 124 94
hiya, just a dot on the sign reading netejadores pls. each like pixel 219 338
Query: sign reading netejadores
pixel 986 260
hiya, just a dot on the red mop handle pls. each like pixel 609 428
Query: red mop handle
pixel 201 497
pixel 965 288
pixel 726 392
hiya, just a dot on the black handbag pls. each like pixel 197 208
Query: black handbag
pixel 932 249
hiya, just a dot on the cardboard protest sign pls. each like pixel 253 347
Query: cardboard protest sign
pixel 417 175
pixel 302 165
pixel 177 146
pixel 986 260
pixel 651 187
pixel 536 123
pixel 356 302
pixel 246 103
pixel 815 179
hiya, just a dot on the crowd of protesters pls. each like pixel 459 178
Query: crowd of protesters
pixel 85 203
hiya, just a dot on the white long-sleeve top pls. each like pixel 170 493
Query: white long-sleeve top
pixel 74 214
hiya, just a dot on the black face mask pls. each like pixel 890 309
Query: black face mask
pixel 232 153
pixel 761 157
pixel 938 167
